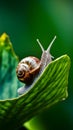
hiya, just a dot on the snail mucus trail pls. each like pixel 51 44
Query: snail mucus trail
pixel 31 67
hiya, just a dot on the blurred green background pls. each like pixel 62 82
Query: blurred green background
pixel 25 21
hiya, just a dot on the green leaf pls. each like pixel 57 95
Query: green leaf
pixel 50 88
pixel 8 63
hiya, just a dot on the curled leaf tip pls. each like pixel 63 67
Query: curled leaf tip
pixel 3 37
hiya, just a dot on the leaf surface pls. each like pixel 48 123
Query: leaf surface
pixel 50 88
pixel 8 63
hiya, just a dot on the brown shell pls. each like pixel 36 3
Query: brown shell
pixel 28 76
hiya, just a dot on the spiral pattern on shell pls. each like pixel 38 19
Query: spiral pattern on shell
pixel 27 69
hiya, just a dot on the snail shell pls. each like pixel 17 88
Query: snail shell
pixel 31 67
pixel 27 69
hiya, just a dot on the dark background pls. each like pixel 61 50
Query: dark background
pixel 25 21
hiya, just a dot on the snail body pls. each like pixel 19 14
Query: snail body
pixel 31 67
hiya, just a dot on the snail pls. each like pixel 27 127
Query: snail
pixel 31 67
